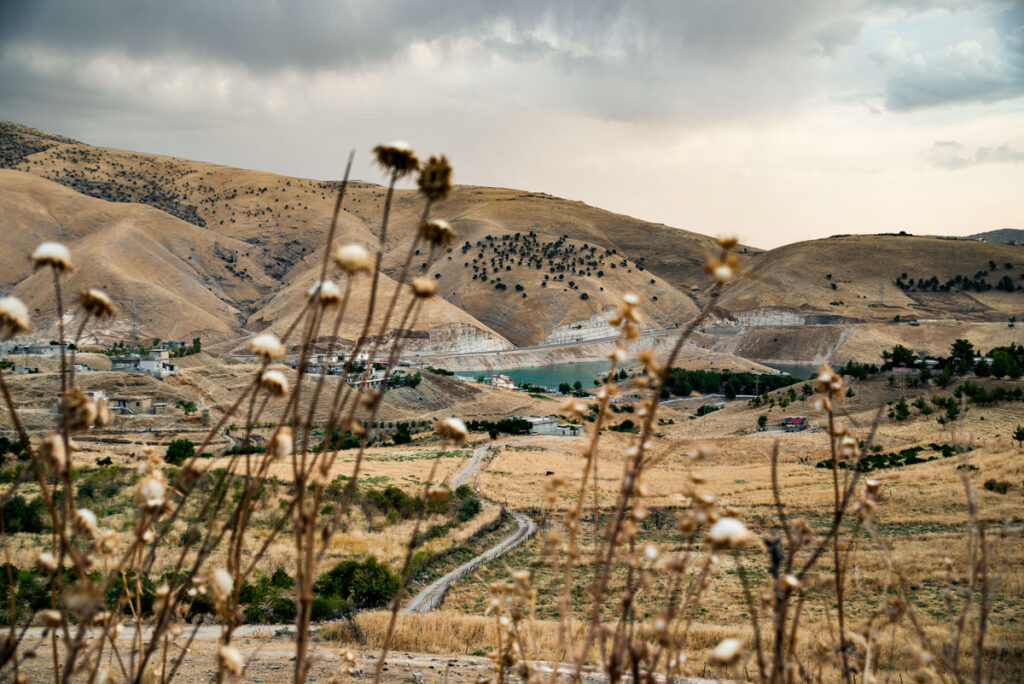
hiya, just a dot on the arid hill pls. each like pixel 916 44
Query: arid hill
pixel 223 252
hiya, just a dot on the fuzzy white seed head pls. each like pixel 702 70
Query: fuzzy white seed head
pixel 453 429
pixel 330 293
pixel 13 318
pixel 221 583
pixel 52 254
pixel 85 521
pixel 727 651
pixel 274 382
pixel 267 345
pixel 729 532
pixel 232 660
pixel 352 258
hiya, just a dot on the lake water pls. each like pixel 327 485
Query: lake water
pixel 550 376
pixel 800 372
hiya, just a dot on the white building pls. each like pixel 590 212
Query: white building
pixel 502 382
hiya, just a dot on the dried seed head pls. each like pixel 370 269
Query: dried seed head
pixel 722 270
pixel 82 597
pixel 77 409
pixel 397 157
pixel 437 232
pixel 51 618
pixel 85 522
pixel 52 450
pixel 330 293
pixel 727 651
pixel 435 179
pixel 267 345
pixel 437 494
pixel 221 583
pixel 46 562
pixel 729 533
pixel 52 254
pixel 353 258
pixel 452 429
pixel 231 659
pixel 13 318
pixel 424 287
pixel 726 242
pixel 282 443
pixel 107 542
pixel 97 303
pixel 104 418
pixel 150 491
pixel 274 382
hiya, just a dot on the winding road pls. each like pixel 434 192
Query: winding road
pixel 430 596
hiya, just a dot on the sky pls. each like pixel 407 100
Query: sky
pixel 775 121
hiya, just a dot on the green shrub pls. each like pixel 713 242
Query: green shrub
pixel 20 515
pixel 361 584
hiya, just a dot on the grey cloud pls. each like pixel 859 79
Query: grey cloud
pixel 987 67
pixel 950 154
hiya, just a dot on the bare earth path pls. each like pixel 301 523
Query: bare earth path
pixel 430 596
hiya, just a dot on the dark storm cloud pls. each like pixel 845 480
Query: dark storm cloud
pixel 311 34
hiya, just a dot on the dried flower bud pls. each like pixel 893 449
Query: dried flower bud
pixel 424 287
pixel 727 651
pixel 726 242
pixel 397 157
pixel 274 382
pixel 437 232
pixel 452 429
pixel 13 318
pixel 52 254
pixel 353 258
pixel 267 345
pixel 97 303
pixel 435 179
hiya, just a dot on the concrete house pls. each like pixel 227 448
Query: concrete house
pixel 131 405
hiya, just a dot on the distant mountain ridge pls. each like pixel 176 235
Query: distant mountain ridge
pixel 1007 236
pixel 203 247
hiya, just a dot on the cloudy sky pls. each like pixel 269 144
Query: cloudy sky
pixel 778 121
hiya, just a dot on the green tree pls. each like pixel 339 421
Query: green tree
pixel 762 420
pixel 900 411
pixel 1018 436
pixel 577 385
pixel 564 388
pixel 962 355
pixel 900 356
pixel 179 451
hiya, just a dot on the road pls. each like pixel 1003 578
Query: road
pixel 430 596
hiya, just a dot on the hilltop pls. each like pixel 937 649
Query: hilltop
pixel 203 250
